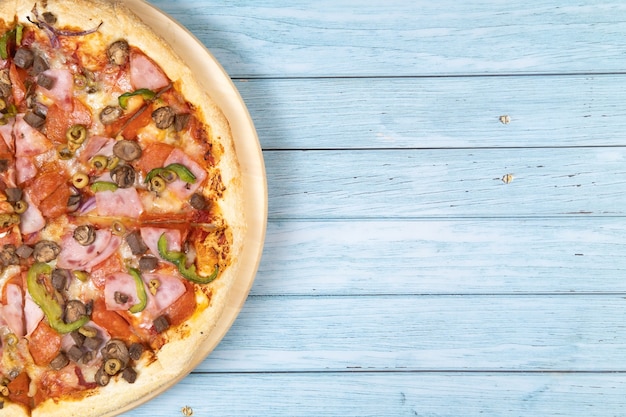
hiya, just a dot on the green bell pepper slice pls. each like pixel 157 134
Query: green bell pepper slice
pixel 141 291
pixel 143 92
pixel 180 260
pixel 180 170
pixel 47 302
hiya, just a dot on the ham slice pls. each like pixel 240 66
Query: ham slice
pixel 124 202
pixel 179 187
pixel 170 289
pixel 32 219
pixel 151 235
pixel 25 168
pixel 33 314
pixel 122 283
pixel 78 257
pixel 28 140
pixel 62 89
pixel 144 73
pixel 13 311
pixel 94 146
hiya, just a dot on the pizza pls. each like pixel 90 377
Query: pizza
pixel 120 210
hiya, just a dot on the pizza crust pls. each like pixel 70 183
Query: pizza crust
pixel 177 358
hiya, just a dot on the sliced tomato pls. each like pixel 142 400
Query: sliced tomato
pixel 56 203
pixel 181 309
pixel 45 344
pixel 154 156
pixel 114 324
pixel 18 389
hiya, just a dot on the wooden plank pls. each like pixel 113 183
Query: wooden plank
pixel 393 395
pixel 426 333
pixel 461 256
pixel 544 111
pixel 401 38
pixel 414 183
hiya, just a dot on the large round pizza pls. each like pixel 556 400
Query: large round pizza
pixel 122 211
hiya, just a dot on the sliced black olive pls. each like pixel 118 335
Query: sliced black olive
pixel 116 349
pixel 148 263
pixel 110 114
pixel 8 256
pixel 24 251
pixel 34 119
pixel 39 65
pixel 118 52
pixel 46 81
pixel 73 202
pixel 120 297
pixel 75 354
pixel 4 165
pixel 85 234
pixel 101 377
pixel 198 202
pixel 74 310
pixel 161 324
pixel 24 58
pixel 180 121
pixel 136 243
pixel 60 278
pixel 45 251
pixel 123 176
pixel 163 117
pixel 78 338
pixel 59 362
pixel 127 150
pixel 135 351
pixel 130 375
pixel 13 194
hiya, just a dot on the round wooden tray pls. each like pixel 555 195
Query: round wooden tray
pixel 219 86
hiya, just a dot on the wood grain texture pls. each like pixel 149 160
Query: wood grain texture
pixel 449 112
pixel 458 256
pixel 436 183
pixel 400 38
pixel 394 395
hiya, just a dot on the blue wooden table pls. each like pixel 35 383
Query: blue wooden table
pixel 447 230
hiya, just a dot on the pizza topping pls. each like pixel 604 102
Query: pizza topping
pixel 144 93
pixel 59 362
pixel 74 310
pixel 34 119
pixel 76 134
pixel 99 162
pixel 24 58
pixel 136 243
pixel 181 120
pixel 59 279
pixel 127 150
pixel 99 186
pixel 13 194
pixel 75 256
pixel 85 234
pixel 163 117
pixel 110 114
pixel 144 73
pixel 180 260
pixel 46 251
pixel 161 324
pixel 198 201
pixel 79 180
pixel 118 52
pixel 148 263
pixel 130 375
pixel 47 301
